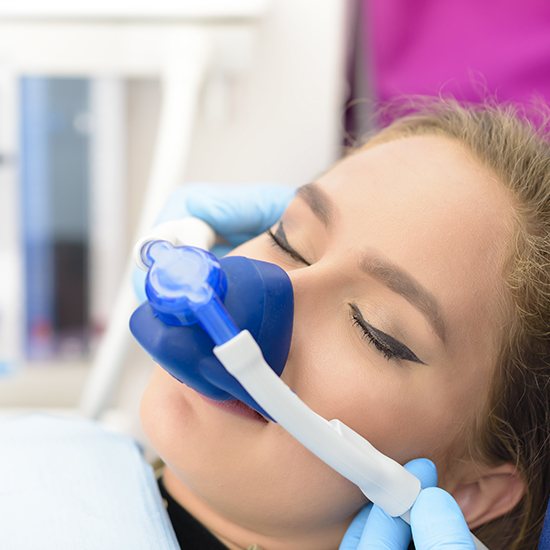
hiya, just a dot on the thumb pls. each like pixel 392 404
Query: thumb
pixel 355 530
pixel 437 522
pixel 384 531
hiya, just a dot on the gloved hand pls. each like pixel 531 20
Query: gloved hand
pixel 437 522
pixel 236 213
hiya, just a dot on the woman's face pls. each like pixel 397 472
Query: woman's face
pixel 395 256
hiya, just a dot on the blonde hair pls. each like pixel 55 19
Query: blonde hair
pixel 516 424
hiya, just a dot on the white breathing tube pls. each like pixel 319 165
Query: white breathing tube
pixel 382 480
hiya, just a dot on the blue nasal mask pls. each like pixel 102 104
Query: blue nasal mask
pixel 203 301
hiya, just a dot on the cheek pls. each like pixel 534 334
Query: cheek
pixel 404 411
pixel 165 415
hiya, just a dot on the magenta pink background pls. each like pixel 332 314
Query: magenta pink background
pixel 466 48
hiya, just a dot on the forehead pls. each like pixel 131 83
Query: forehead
pixel 429 173
pixel 428 205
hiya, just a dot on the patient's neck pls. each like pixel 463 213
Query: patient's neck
pixel 237 537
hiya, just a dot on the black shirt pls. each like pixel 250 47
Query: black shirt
pixel 191 534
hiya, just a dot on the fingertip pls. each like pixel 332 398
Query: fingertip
pixel 363 514
pixel 425 470
pixel 271 202
pixel 436 516
pixel 355 530
pixel 383 531
pixel 432 496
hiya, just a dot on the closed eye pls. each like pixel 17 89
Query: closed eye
pixel 388 346
pixel 280 241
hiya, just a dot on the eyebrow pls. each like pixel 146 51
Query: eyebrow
pixel 318 201
pixel 404 284
pixel 394 277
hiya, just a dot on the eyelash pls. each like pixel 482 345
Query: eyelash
pixel 367 334
pixel 356 316
pixel 278 243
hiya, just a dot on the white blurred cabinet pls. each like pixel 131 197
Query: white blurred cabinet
pixel 228 90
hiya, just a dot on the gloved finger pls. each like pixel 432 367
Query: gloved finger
pixel 436 520
pixel 384 531
pixel 220 250
pixel 175 206
pixel 236 239
pixel 244 209
pixel 353 534
pixel 425 470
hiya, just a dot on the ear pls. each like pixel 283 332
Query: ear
pixel 494 493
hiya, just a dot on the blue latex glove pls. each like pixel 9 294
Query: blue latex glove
pixel 236 212
pixel 437 522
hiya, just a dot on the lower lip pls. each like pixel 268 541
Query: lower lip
pixel 236 407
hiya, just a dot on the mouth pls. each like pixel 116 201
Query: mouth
pixel 236 407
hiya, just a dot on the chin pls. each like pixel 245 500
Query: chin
pixel 193 436
pixel 246 471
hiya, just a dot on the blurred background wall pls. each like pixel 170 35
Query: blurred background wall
pixel 77 154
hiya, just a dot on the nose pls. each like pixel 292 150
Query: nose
pixel 313 286
pixel 316 292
